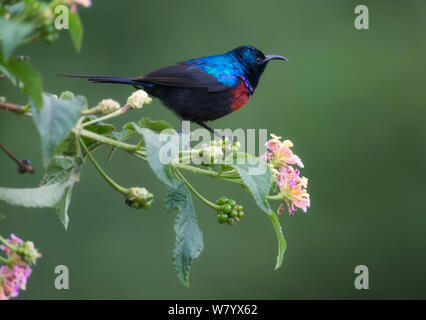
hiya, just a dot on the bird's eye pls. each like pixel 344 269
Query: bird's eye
pixel 259 60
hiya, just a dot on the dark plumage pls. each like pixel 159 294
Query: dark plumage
pixel 205 88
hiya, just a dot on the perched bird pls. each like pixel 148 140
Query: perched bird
pixel 205 88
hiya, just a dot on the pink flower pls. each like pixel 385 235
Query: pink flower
pixel 83 3
pixel 292 186
pixel 293 189
pixel 279 153
pixel 14 275
pixel 13 279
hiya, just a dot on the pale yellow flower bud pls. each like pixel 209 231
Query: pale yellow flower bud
pixel 275 137
pixel 304 182
pixel 288 143
pixel 107 106
pixel 212 154
pixel 136 192
pixel 138 99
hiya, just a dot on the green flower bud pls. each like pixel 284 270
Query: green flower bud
pixel 222 218
pixel 227 208
pixel 136 204
pixel 230 221
pixel 241 214
pixel 232 202
pixel 233 214
pixel 139 198
pixel 28 252
pixel 222 200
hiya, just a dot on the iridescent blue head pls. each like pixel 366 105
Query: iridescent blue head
pixel 253 62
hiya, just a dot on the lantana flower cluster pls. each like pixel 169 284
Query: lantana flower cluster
pixel 292 187
pixel 15 273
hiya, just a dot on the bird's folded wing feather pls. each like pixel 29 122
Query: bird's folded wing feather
pixel 183 75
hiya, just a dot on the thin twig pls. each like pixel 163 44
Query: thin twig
pixel 23 166
pixel 12 107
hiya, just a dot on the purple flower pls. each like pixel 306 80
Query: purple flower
pixel 14 275
pixel 13 279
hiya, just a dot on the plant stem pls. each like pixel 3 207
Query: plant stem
pixel 14 108
pixel 208 173
pixel 207 202
pixel 275 197
pixel 105 140
pixel 7 244
pixel 140 157
pixel 22 167
pixel 113 184
pixel 109 116
pixel 4 260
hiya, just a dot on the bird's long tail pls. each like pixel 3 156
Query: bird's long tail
pixel 103 79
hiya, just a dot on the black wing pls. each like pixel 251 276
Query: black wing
pixel 183 75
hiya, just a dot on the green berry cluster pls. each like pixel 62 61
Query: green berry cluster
pixel 139 198
pixel 213 153
pixel 229 212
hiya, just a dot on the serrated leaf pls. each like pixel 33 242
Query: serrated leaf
pixel 62 168
pixel 16 8
pixel 258 179
pixel 189 238
pixel 20 73
pixel 41 197
pixel 11 35
pixel 153 125
pixel 67 95
pixel 6 72
pixel 123 134
pixel 55 121
pixel 59 168
pixel 282 245
pixel 63 205
pixel 99 127
pixel 160 149
pixel 76 30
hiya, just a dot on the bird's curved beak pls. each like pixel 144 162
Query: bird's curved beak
pixel 274 57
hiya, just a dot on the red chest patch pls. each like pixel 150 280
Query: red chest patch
pixel 240 96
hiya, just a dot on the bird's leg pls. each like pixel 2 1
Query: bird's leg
pixel 217 134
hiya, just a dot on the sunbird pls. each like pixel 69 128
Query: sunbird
pixel 202 89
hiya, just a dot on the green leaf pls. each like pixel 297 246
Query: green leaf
pixel 54 191
pixel 61 168
pixel 123 134
pixel 99 127
pixel 11 35
pixel 258 178
pixel 76 30
pixel 160 149
pixel 63 205
pixel 55 121
pixel 41 197
pixel 189 238
pixel 20 73
pixel 282 245
pixel 156 125
pixel 129 131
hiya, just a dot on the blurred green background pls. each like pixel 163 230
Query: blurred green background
pixel 352 102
